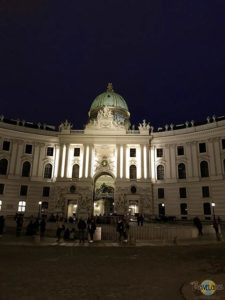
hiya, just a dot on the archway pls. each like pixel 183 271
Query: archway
pixel 104 195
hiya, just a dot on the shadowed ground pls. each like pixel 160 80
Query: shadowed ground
pixel 107 272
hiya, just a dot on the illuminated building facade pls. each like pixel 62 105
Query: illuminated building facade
pixel 109 167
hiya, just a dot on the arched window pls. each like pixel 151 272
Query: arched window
pixel 204 169
pixel 133 172
pixel 3 166
pixel 181 171
pixel 21 206
pixel 26 169
pixel 76 169
pixel 160 172
pixel 207 208
pixel 183 208
pixel 48 171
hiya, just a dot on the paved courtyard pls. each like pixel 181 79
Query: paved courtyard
pixel 52 272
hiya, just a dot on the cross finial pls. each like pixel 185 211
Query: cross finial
pixel 110 87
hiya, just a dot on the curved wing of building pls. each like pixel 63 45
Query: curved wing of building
pixel 108 168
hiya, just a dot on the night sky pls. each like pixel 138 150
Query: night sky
pixel 166 58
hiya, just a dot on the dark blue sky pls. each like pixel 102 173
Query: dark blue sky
pixel 166 58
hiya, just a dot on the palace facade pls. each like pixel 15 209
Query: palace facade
pixel 110 167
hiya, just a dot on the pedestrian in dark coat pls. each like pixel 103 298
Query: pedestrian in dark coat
pixel 2 224
pixel 42 227
pixel 120 228
pixel 81 227
pixel 91 230
pixel 216 227
pixel 19 224
pixel 30 228
pixel 198 224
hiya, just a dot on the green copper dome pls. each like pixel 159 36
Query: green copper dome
pixel 109 98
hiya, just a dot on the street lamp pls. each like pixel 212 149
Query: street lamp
pixel 213 206
pixel 39 211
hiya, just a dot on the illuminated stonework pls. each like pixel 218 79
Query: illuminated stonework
pixel 111 168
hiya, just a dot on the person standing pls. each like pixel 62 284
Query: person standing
pixel 141 219
pixel 2 225
pixel 42 226
pixel 91 230
pixel 19 224
pixel 216 227
pixel 198 224
pixel 126 228
pixel 60 228
pixel 120 228
pixel 81 228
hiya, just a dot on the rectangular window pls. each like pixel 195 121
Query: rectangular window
pixel 6 146
pixel 132 152
pixel 76 151
pixel 22 206
pixel 180 150
pixel 202 147
pixel 50 151
pixel 223 144
pixel 183 208
pixel 2 186
pixel 183 192
pixel 160 193
pixel 46 191
pixel 28 149
pixel 23 190
pixel 0 205
pixel 205 191
pixel 159 152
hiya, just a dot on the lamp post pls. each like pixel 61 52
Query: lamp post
pixel 213 206
pixel 39 210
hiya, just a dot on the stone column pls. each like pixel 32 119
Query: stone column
pixel 90 159
pixel 56 159
pixel 195 162
pixel 124 160
pixel 147 162
pixel 142 161
pixel 217 145
pixel 40 161
pixel 173 161
pixel 212 158
pixel 84 160
pixel 13 158
pixel 153 169
pixel 60 160
pixel 66 160
pixel 168 162
pixel 118 161
pixel 18 158
pixel 36 158
pixel 189 159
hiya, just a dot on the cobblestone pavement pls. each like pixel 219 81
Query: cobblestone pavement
pixel 91 272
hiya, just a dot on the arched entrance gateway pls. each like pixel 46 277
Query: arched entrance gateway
pixel 103 198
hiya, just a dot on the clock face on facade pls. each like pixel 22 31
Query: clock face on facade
pixel 104 163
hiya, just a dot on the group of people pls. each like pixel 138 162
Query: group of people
pixel 216 226
pixel 83 227
pixel 34 227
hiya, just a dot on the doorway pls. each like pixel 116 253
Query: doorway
pixel 104 195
